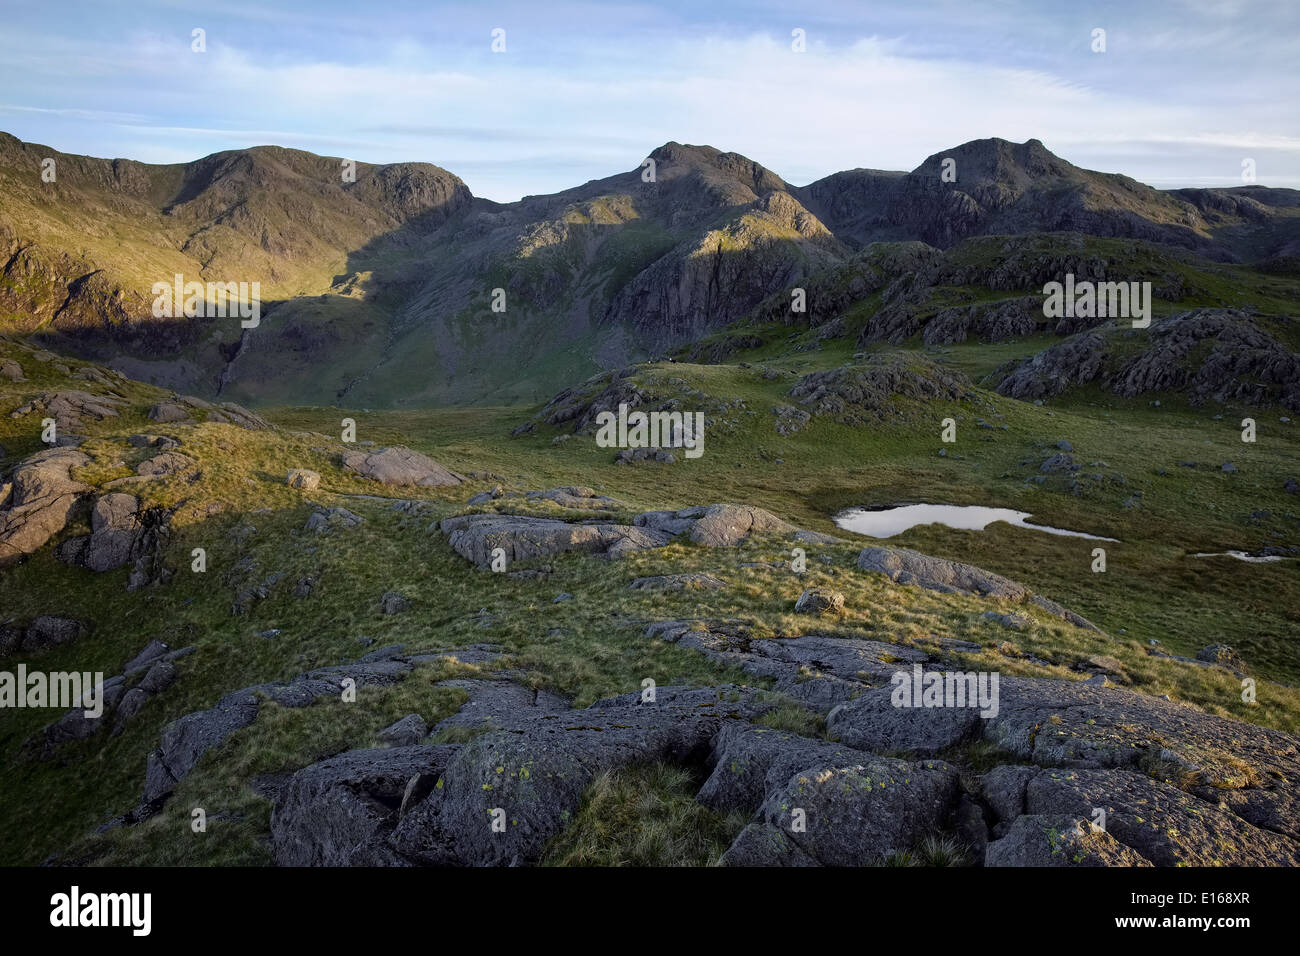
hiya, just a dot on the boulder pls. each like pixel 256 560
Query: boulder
pixel 165 465
pixel 303 479
pixel 904 566
pixel 47 631
pixel 411 729
pixel 819 601
pixel 400 466
pixel 1222 655
pixel 857 812
pixel 715 526
pixel 326 520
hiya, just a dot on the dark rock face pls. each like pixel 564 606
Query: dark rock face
pixel 986 322
pixel 148 674
pixel 341 811
pixel 1001 188
pixel 1076 361
pixel 1216 355
pixel 400 466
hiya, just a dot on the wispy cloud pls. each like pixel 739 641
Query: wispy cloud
pixel 584 90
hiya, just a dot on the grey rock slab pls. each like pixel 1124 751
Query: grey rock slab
pixel 341 811
pixel 401 467
pixel 690 581
pixel 522 538
pixel 411 729
pixel 861 812
pixel 872 722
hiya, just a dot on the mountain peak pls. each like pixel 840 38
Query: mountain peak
pixel 1000 160
pixel 715 166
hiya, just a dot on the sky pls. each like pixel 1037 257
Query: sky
pixel 1184 92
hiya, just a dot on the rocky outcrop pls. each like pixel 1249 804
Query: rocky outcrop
pixel 72 409
pixel 986 321
pixel 523 538
pixel 533 770
pixel 400 467
pixel 185 409
pixel 1218 355
pixel 868 393
pixel 186 740
pixel 576 498
pixel 723 525
pixel 41 501
pixel 904 566
pixel 148 674
pixel 121 533
pixel 43 633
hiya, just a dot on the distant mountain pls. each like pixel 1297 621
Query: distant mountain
pixel 380 291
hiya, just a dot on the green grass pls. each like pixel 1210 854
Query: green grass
pixel 644 816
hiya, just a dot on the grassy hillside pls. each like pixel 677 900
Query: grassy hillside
pixel 252 525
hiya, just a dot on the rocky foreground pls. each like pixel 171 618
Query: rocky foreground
pixel 1083 773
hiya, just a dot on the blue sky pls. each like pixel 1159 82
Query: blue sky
pixel 1185 90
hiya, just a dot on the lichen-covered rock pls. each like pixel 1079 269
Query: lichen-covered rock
pixel 1056 840
pixel 859 812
